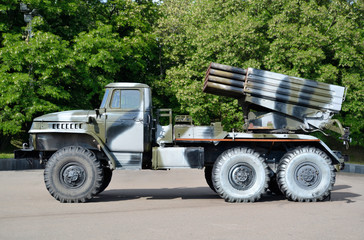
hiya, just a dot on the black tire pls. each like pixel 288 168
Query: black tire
pixel 106 179
pixel 73 174
pixel 306 174
pixel 240 175
pixel 208 177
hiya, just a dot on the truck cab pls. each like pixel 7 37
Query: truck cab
pixel 119 132
pixel 126 116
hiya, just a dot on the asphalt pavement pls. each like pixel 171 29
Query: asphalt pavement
pixel 174 204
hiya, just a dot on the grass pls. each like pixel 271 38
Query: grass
pixel 6 155
pixel 354 160
pixel 356 153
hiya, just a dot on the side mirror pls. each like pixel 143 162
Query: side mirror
pixel 100 112
pixel 90 120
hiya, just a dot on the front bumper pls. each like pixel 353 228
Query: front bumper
pixel 26 153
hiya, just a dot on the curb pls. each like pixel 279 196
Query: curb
pixel 353 168
pixel 19 164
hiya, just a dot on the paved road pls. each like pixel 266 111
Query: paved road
pixel 174 205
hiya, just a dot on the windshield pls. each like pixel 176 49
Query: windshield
pixel 105 98
pixel 126 99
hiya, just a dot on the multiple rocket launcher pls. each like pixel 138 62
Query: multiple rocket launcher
pixel 290 103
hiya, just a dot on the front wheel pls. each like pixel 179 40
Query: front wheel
pixel 106 179
pixel 306 174
pixel 208 177
pixel 73 174
pixel 240 175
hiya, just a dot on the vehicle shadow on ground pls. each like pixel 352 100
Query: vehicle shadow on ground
pixel 168 194
pixel 337 195
pixel 156 194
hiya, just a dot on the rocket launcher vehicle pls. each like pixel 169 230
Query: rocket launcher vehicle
pixel 278 103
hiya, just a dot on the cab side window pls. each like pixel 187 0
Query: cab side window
pixel 126 99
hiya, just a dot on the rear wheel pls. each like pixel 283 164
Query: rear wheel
pixel 73 174
pixel 306 174
pixel 240 175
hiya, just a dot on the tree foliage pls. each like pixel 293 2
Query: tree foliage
pixel 319 40
pixel 75 49
pixel 79 46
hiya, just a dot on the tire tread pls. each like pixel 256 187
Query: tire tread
pixel 222 159
pixel 281 174
pixel 72 151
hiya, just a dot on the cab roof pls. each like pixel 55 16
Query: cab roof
pixel 126 85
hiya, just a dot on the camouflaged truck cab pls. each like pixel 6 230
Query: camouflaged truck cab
pixel 276 152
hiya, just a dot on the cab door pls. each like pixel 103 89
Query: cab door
pixel 124 122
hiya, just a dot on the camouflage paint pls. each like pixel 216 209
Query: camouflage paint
pixel 126 135
pixel 298 104
pixel 178 157
pixel 123 135
pixel 164 133
pixel 128 131
pixel 191 131
pixel 298 91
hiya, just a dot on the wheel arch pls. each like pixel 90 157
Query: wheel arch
pixel 334 158
pixel 52 142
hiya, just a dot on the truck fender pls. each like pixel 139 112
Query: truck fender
pixel 102 147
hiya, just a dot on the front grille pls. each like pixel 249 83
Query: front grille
pixel 67 126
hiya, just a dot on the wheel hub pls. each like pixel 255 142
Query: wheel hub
pixel 242 176
pixel 307 175
pixel 73 175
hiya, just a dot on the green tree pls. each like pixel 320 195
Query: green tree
pixel 328 47
pixel 195 33
pixel 319 40
pixel 75 49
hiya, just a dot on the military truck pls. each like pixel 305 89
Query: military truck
pixel 81 149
